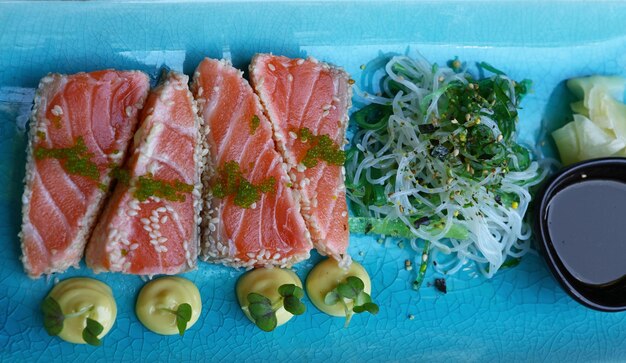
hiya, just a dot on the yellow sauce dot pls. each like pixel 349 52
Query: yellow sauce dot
pixel 84 294
pixel 325 276
pixel 159 298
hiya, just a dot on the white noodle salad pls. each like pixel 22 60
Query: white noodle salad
pixel 434 158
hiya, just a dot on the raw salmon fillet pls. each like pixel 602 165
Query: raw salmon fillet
pixel 297 94
pixel 80 129
pixel 270 231
pixel 149 232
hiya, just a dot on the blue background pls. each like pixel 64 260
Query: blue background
pixel 520 314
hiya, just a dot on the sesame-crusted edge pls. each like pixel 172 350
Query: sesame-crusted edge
pixel 338 72
pixel 93 211
pixel 209 211
pixel 191 262
pixel 215 249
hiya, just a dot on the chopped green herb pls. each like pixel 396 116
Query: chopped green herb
pixel 254 124
pixel 231 181
pixel 121 175
pixel 75 160
pixel 147 187
pixel 41 135
pixel 322 149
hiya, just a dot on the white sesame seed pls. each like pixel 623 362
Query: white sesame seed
pixel 147 228
pixel 344 213
pixel 271 67
pixel 57 110
pixel 300 61
pixel 293 135
pixel 134 246
pixel 145 221
pixel 289 77
pixel 129 111
pixel 325 113
pixel 164 219
pixel 162 239
pixel 131 213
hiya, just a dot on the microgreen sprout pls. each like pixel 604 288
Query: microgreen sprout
pixel 352 290
pixel 183 316
pixel 53 319
pixel 263 310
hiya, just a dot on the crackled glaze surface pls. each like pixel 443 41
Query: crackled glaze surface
pixel 520 314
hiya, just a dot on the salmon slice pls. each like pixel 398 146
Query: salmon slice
pixel 299 94
pixel 270 231
pixel 81 126
pixel 151 223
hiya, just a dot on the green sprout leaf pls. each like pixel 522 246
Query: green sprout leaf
pixel 291 289
pixel 293 305
pixel 253 297
pixel 356 283
pixel 263 315
pixel 352 289
pixel 261 311
pixel 183 316
pixel 369 307
pixel 291 298
pixel 362 298
pixel 52 316
pixel 91 332
pixel 331 298
pixel 347 291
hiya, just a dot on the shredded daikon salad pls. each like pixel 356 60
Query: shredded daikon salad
pixel 434 158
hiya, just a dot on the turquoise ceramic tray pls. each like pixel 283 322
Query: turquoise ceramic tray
pixel 520 314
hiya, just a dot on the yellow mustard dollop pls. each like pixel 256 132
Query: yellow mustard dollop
pixel 92 297
pixel 159 297
pixel 266 281
pixel 325 276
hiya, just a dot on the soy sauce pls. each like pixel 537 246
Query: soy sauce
pixel 587 227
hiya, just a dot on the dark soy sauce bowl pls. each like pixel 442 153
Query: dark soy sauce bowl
pixel 609 296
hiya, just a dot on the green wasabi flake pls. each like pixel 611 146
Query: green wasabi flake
pixel 121 175
pixel 173 191
pixel 254 124
pixel 75 160
pixel 232 182
pixel 322 148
